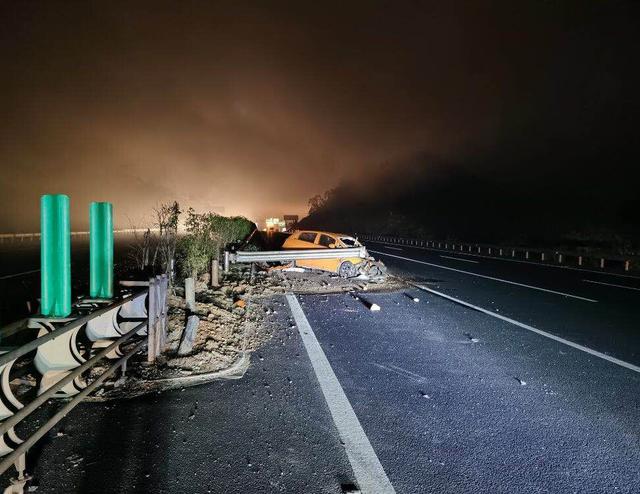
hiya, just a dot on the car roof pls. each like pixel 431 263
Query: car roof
pixel 324 233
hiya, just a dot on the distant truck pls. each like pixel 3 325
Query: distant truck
pixel 290 221
pixel 274 225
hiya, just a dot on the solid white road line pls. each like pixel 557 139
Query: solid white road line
pixel 369 473
pixel 458 259
pixel 540 264
pixel 487 277
pixel 577 346
pixel 612 284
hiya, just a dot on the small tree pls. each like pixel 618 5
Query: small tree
pixel 196 245
pixel 208 233
pixel 321 201
pixel 167 216
pixel 140 249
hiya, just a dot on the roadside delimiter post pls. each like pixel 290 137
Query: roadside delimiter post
pixel 101 250
pixel 55 256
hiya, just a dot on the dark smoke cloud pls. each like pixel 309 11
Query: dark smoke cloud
pixel 252 108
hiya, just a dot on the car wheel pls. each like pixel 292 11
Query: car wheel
pixel 347 270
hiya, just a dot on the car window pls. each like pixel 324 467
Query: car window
pixel 307 237
pixel 326 240
pixel 350 241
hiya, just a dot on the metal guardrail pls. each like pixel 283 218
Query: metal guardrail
pixel 520 253
pixel 295 255
pixel 75 324
pixel 109 325
pixel 9 423
pixel 36 235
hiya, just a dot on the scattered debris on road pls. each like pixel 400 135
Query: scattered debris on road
pixel 232 320
pixel 350 489
pixel 415 299
pixel 471 338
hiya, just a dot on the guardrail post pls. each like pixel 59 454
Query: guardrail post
pixel 161 287
pixel 157 314
pixel 513 252
pixel 55 256
pixel 101 250
pixel 542 256
pixel 214 273
pixel 579 260
pixel 627 265
pixel 602 263
pixel 526 254
pixel 152 320
pixel 559 258
pixel 190 293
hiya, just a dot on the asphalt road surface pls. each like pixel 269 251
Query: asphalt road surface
pixel 502 377
pixel 597 310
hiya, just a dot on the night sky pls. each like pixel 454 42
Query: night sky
pixel 253 107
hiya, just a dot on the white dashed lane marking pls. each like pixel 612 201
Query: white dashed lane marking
pixel 563 294
pixel 577 346
pixel 613 284
pixel 459 259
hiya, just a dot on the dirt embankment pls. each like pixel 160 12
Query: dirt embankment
pixel 235 319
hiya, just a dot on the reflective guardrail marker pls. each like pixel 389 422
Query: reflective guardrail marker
pixel 101 250
pixel 55 255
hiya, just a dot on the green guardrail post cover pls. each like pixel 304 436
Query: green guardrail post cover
pixel 55 255
pixel 101 250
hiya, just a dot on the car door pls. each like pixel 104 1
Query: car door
pixel 323 241
pixel 304 240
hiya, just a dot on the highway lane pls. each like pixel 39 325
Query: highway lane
pixel 421 397
pixel 455 401
pixel 431 397
pixel 268 432
pixel 555 300
pixel 558 275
